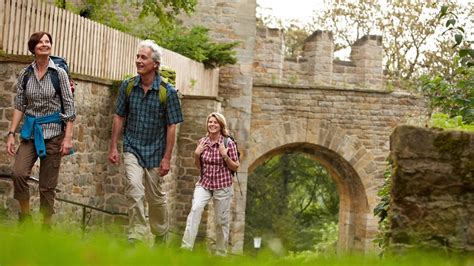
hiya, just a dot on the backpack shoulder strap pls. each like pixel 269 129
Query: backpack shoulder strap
pixel 226 141
pixel 163 92
pixel 129 88
pixel 29 70
pixel 57 85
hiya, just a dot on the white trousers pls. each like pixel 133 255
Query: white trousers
pixel 222 199
pixel 141 184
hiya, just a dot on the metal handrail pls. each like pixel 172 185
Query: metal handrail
pixel 86 209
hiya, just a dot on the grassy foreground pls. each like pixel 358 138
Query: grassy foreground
pixel 32 246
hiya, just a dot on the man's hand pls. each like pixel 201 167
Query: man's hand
pixel 164 167
pixel 114 156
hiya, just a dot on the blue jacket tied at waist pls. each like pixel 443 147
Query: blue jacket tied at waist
pixel 32 125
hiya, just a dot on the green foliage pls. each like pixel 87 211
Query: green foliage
pixel 453 96
pixel 292 198
pixel 166 11
pixel 194 43
pixel 440 120
pixel 382 209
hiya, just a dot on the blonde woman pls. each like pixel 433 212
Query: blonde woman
pixel 217 164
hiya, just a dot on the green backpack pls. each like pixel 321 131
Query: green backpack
pixel 167 76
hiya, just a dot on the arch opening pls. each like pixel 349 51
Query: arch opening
pixel 353 205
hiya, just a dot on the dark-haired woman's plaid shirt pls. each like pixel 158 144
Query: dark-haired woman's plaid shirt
pixel 214 172
pixel 42 99
pixel 147 120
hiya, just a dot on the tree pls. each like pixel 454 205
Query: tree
pixel 161 26
pixel 293 198
pixel 165 10
pixel 454 95
pixel 410 29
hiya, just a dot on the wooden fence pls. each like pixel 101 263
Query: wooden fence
pixel 91 48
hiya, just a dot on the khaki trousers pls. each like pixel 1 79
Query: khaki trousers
pixel 25 158
pixel 143 183
pixel 222 199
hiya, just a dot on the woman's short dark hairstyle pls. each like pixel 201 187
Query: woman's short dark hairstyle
pixel 35 38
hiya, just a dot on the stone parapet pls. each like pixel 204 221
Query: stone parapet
pixel 317 66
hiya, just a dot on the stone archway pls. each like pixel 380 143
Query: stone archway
pixel 350 164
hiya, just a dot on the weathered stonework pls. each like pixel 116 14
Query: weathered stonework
pixel 317 66
pixel 432 195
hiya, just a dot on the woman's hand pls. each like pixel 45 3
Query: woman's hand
pixel 66 146
pixel 200 148
pixel 11 145
pixel 223 150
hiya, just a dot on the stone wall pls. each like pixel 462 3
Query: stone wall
pixel 317 65
pixel 432 194
pixel 85 176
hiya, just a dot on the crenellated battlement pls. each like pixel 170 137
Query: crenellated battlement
pixel 317 66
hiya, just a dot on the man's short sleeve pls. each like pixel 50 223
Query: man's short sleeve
pixel 121 104
pixel 173 107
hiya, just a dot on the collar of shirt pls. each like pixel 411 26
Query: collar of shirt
pixel 207 140
pixel 51 64
pixel 154 86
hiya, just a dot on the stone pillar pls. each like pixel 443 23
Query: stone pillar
pixel 231 21
pixel 269 56
pixel 367 55
pixel 319 52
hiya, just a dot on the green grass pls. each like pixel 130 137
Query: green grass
pixel 32 246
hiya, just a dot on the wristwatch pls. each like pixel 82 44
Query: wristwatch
pixel 11 133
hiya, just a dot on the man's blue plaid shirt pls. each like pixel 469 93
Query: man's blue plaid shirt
pixel 146 120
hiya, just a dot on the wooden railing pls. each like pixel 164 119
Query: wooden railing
pixel 91 48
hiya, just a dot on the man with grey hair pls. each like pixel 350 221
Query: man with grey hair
pixel 148 111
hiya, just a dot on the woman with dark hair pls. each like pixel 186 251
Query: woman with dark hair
pixel 47 127
pixel 216 156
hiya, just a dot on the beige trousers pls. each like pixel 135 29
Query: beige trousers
pixel 144 184
pixel 222 199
